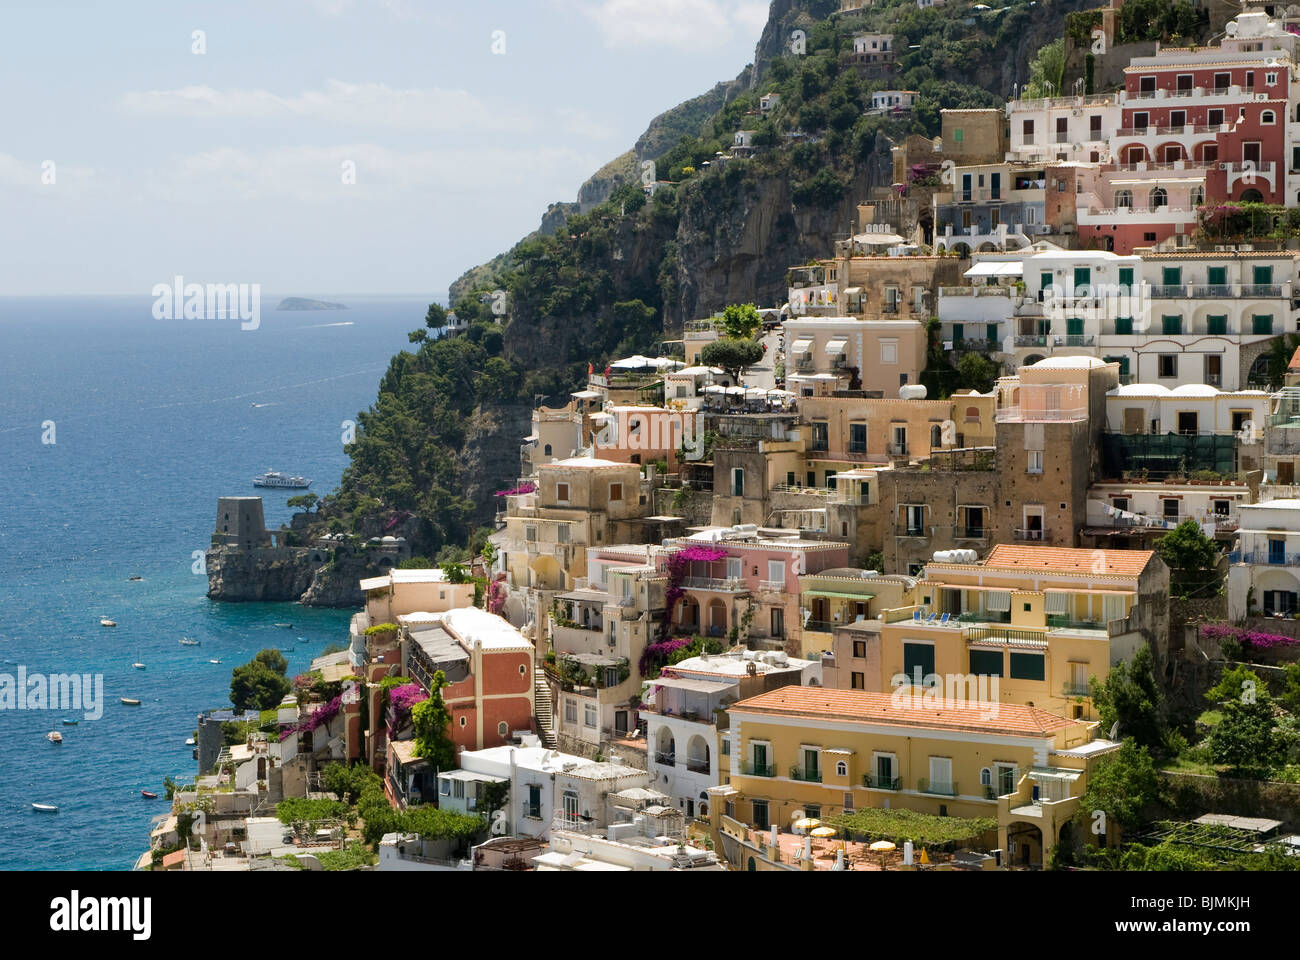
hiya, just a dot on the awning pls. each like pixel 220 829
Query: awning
pixel 801 345
pixel 689 683
pixel 837 594
pixel 1055 773
pixel 878 239
pixel 853 292
pixel 996 268
pixel 836 345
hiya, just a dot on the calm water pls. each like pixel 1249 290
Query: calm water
pixel 153 420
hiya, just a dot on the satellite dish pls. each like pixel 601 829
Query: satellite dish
pixel 1114 730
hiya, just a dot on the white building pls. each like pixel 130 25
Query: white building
pixel 683 709
pixel 885 101
pixel 546 784
pixel 1264 575
pixel 1074 129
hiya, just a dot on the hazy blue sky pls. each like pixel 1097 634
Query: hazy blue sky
pixel 227 167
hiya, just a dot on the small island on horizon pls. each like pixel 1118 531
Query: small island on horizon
pixel 303 303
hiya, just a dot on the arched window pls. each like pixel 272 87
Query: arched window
pixel 1267 117
pixel 546 450
pixel 1198 196
pixel 503 728
pixel 986 777
pixel 1157 198
pixel 936 437
pixel 1123 199
pixel 841 769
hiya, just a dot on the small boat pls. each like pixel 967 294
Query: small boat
pixel 105 622
pixel 138 666
pixel 54 736
pixel 148 796
pixel 187 642
pixel 45 808
pixel 133 579
pixel 214 661
pixel 274 478
pixel 70 723
pixel 287 626
pixel 130 702
pixel 189 742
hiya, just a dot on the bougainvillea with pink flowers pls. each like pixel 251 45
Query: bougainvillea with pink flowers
pixel 402 700
pixel 324 715
pixel 528 487
pixel 1252 639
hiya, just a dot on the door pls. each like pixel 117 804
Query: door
pixel 995 186
pixel 1187 422
pixel 570 802
pixel 778 622
pixel 620 722
pixel 941 775
pixel 760 758
pixel 884 771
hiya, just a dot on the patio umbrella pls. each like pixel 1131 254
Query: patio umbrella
pixel 807 823
pixel 821 832
pixel 634 362
pixel 882 846
pixel 665 363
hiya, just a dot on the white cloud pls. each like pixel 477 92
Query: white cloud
pixel 686 25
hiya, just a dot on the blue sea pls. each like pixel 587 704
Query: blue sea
pixel 152 420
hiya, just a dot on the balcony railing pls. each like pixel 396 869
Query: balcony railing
pixel 969 533
pixel 807 776
pixel 896 449
pixel 937 787
pixel 1261 290
pixel 1033 340
pixel 697 765
pixel 819 626
pixel 882 783
pixel 757 770
pixel 730 585
pixel 665 759
pixel 1266 557
pixel 1069 689
pixel 1005 635
pixel 1030 536
pixel 1212 291
pixel 1168 291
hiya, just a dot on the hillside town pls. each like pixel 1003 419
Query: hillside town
pixel 779 598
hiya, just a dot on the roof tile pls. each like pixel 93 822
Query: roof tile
pixel 1120 563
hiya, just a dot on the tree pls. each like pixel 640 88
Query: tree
pixel 740 320
pixel 418 336
pixel 1245 737
pixel 1121 784
pixel 260 684
pixel 436 317
pixel 733 356
pixel 1046 68
pixel 431 718
pixel 977 372
pixel 1130 696
pixel 305 500
pixel 345 782
pixel 455 572
pixel 1234 684
pixel 1192 558
pixel 273 660
pixel 1290 698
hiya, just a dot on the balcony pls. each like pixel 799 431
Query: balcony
pixel 908 530
pixel 1265 558
pixel 1168 291
pixel 757 770
pixel 1033 340
pixel 719 584
pixel 1261 290
pixel 697 765
pixel 665 759
pixel 819 626
pixel 1074 689
pixel 874 782
pixel 1212 291
pixel 896 449
pixel 1030 536
pixel 772 586
pixel 969 533
pixel 805 775
pixel 937 788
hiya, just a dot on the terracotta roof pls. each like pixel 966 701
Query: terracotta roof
pixel 1119 563
pixel 1295 360
pixel 171 859
pixel 858 706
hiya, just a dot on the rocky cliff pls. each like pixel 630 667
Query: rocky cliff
pixel 286 574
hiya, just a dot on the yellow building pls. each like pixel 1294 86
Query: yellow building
pixel 1041 621
pixel 809 751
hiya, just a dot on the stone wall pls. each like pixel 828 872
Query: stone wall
pixel 1191 795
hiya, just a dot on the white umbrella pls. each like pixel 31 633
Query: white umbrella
pixel 778 392
pixel 636 362
pixel 714 388
pixel 664 363
pixel 755 392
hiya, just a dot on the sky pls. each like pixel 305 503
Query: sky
pixel 322 147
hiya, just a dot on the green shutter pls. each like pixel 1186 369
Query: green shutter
pixel 918 655
pixel 958 333
pixel 1027 666
pixel 1074 326
pixel 1218 324
pixel 1082 277
pixel 1262 275
pixel 1218 276
pixel 1123 326
pixel 991 332
pixel 1126 276
pixel 1171 325
pixel 1045 281
pixel 1262 324
pixel 1171 276
pixel 986 663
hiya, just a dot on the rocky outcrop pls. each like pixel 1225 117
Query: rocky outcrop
pixel 267 573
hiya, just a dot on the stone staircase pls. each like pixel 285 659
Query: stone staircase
pixel 545 708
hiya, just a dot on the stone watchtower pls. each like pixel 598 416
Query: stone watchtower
pixel 240 523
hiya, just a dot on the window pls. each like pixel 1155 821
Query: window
pixel 914 516
pixel 562 533
pixel 889 351
pixel 1123 200
pixel 530 533
pixel 444 786
pixel 1170 507
pixel 986 663
pixel 591 715
pixel 562 492
pixel 820 435
pixel 956 135
pixel 857 681
pixel 1035 462
pixel 615 491
pixel 1171 325
pixel 776 571
pixel 918 656
pixel 1027 666
pixel 737 482
pixel 1215 117
pixel 1261 324
pixel 463 721
pixel 857 438
pixel 570 710
pixel 859 648
pixel 1217 324
pixel 760 815
pixel 734 571
pixel 1267 118
pixel 1119 503
pixel 1158 197
pixel 546 450
pixel 1167 366
pixel 1270 79
pixel 1124 326
pixel 841 768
